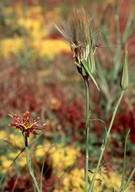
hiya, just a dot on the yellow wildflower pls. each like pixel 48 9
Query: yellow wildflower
pixel 3 134
pixel 22 160
pixel 13 155
pixel 63 157
pixel 74 180
pixel 40 151
pixel 5 163
pixel 50 48
pixel 11 46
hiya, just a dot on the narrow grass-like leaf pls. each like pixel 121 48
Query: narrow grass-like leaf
pixel 22 150
pixel 117 27
pixel 105 143
pixel 28 161
pixel 66 171
pixel 104 138
pixel 92 63
pixel 124 161
pixel 41 174
pixel 85 64
pixel 129 29
pixel 128 181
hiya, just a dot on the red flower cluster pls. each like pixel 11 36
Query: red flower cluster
pixel 26 124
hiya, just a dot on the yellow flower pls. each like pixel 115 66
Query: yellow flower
pixel 13 155
pixel 22 160
pixel 11 46
pixel 62 157
pixel 5 163
pixel 40 151
pixel 74 180
pixel 13 139
pixel 50 48
pixel 33 26
pixel 3 134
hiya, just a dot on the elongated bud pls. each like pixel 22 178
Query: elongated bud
pixel 92 62
pixel 124 77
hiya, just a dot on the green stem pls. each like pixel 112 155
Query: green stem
pixel 87 132
pixel 128 181
pixel 124 162
pixel 117 27
pixel 28 162
pixel 105 142
pixel 42 172
pixel 117 56
pixel 3 178
pixel 129 26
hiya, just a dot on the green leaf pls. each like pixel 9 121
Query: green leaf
pixel 92 63
pixel 124 162
pixel 85 64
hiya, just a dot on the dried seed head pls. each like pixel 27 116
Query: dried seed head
pixel 80 28
pixel 77 32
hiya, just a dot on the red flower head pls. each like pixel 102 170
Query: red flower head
pixel 26 124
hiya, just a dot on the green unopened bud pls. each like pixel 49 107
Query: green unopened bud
pixel 92 62
pixel 124 77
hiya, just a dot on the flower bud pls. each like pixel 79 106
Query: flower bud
pixel 124 77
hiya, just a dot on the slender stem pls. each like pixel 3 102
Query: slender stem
pixel 28 162
pixel 117 27
pixel 25 139
pixel 2 179
pixel 30 169
pixel 124 162
pixel 128 181
pixel 105 142
pixel 87 132
pixel 128 29
pixel 115 111
pixel 42 172
pixel 117 57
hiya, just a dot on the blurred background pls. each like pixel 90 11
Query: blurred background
pixel 38 74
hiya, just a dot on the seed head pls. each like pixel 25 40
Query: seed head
pixel 76 31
